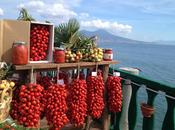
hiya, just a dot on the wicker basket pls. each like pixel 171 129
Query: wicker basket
pixel 6 98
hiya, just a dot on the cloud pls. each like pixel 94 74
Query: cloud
pixel 1 12
pixel 112 27
pixel 84 15
pixel 61 10
pixel 55 10
pixel 32 5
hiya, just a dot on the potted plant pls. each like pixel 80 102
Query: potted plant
pixel 147 110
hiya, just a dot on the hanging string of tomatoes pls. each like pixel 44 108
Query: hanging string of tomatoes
pixel 29 105
pixel 84 98
pixel 77 102
pixel 114 93
pixel 95 96
pixel 56 106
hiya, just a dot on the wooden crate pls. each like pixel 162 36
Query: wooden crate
pixel 14 30
pixel 51 41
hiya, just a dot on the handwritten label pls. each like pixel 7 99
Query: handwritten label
pixel 60 81
pixel 116 74
pixel 94 73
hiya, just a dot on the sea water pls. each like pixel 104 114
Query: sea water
pixel 156 62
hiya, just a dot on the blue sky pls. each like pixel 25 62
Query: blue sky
pixel 147 20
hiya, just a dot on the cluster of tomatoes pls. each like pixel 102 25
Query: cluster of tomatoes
pixel 114 93
pixel 56 106
pixel 95 96
pixel 61 105
pixel 29 105
pixel 77 102
pixel 39 42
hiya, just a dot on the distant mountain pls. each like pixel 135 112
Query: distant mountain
pixel 165 42
pixel 106 37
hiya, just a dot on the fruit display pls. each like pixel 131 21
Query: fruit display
pixel 77 102
pixel 95 96
pixel 73 56
pixel 56 106
pixel 93 54
pixel 114 93
pixel 39 42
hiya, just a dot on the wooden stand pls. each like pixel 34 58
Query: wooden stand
pixel 37 67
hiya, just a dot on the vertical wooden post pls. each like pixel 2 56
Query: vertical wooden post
pixel 106 116
pixel 168 123
pixel 132 118
pixel 148 123
pixel 127 92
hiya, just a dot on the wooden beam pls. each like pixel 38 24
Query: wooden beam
pixel 46 66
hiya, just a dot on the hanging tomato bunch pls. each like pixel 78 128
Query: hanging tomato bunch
pixel 114 93
pixel 77 102
pixel 55 106
pixel 95 96
pixel 39 42
pixel 29 105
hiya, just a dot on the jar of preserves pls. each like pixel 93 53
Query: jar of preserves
pixel 107 54
pixel 19 53
pixel 59 55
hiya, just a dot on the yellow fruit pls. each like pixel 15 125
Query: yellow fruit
pixel 91 51
pixel 73 59
pixel 100 53
pixel 2 86
pixel 100 57
pixel 99 49
pixel 92 55
pixel 98 60
pixel 71 55
pixel 7 84
pixel 69 52
pixel 4 81
pixel 12 84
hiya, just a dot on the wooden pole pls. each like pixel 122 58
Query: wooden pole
pixel 106 116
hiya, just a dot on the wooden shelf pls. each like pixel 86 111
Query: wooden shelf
pixel 42 66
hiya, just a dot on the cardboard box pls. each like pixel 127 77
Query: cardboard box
pixel 14 30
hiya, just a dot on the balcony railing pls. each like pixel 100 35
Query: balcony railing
pixel 153 88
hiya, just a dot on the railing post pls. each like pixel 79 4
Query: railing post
pixel 127 92
pixel 168 123
pixel 133 108
pixel 148 122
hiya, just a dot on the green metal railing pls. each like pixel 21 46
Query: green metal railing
pixel 152 89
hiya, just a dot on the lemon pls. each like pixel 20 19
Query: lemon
pixel 12 84
pixel 2 86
